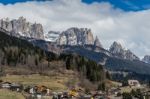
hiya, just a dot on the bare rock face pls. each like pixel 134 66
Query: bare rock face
pixel 76 36
pixel 131 56
pixel 21 27
pixel 36 31
pixel 117 50
pixel 97 43
pixel 146 59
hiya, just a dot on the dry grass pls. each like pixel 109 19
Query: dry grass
pixel 110 84
pixel 57 82
pixel 7 94
pixel 129 89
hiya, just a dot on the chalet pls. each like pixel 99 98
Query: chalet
pixel 16 87
pixel 39 96
pixel 32 90
pixel 47 91
pixel 114 91
pixel 65 95
pixel 86 97
pixel 134 83
pixel 6 85
pixel 146 95
pixel 42 90
pixel 55 95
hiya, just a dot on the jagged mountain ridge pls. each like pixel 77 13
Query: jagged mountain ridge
pixel 70 37
pixel 76 36
pixel 84 36
pixel 118 51
pixel 73 36
pixel 22 28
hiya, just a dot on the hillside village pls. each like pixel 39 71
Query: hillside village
pixel 133 89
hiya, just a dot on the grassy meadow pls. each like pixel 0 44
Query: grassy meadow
pixel 7 94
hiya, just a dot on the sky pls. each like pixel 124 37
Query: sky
pixel 124 21
pixel 127 5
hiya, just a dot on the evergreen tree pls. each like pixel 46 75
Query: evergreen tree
pixel 101 87
pixel 68 63
pixel 108 75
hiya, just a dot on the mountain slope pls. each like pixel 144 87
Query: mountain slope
pixel 127 65
pixel 110 62
pixel 16 52
pixel 87 51
pixel 124 60
pixel 135 69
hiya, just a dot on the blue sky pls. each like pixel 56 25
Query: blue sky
pixel 126 5
pixel 12 1
pixel 15 1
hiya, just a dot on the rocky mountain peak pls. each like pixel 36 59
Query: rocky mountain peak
pixel 76 36
pixel 22 19
pixel 146 59
pixel 116 48
pixel 20 27
pixel 97 42
pixel 118 51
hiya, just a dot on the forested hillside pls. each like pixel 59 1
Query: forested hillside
pixel 16 52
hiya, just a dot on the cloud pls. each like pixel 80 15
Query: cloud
pixel 107 22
